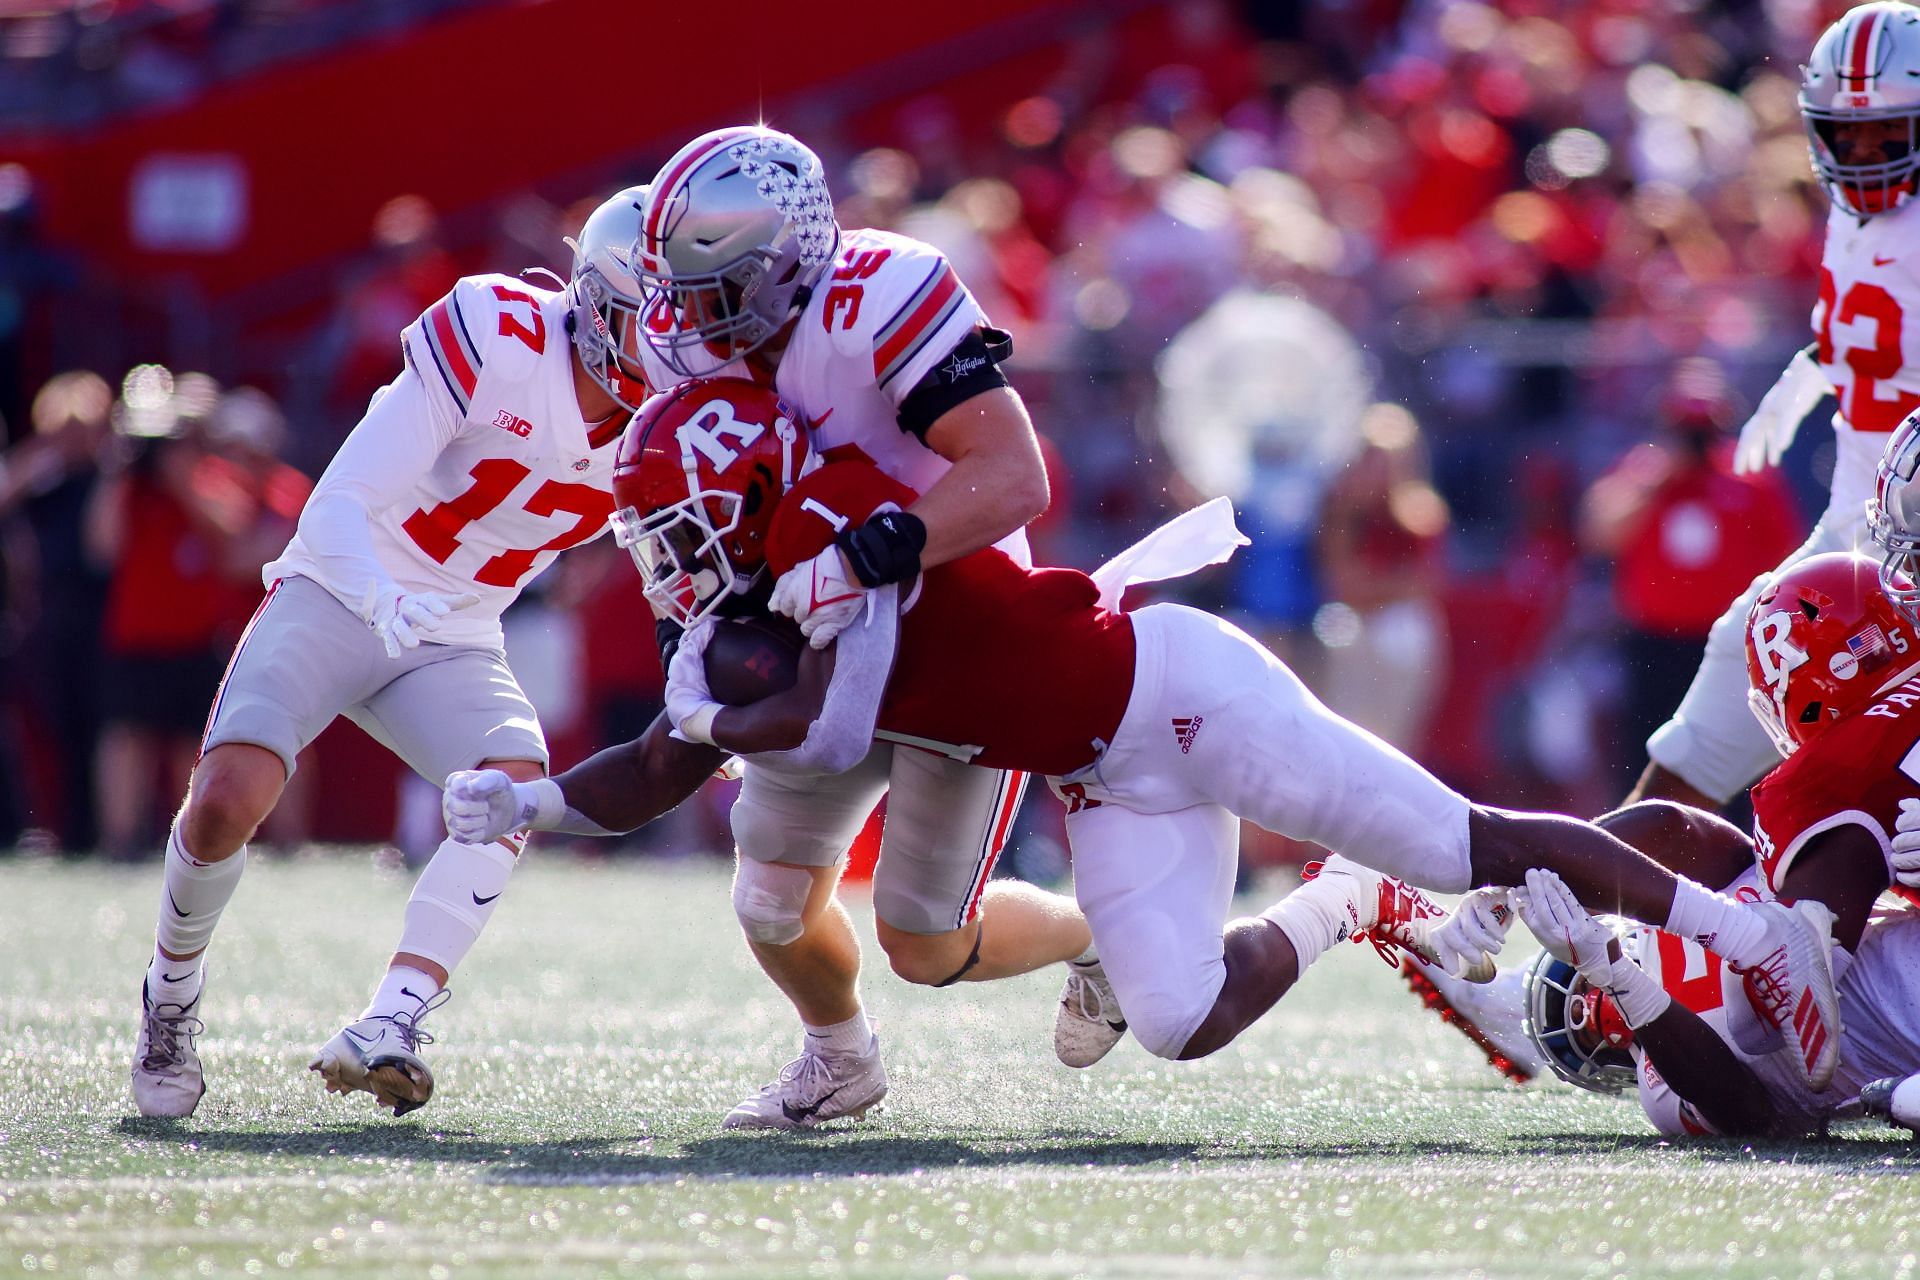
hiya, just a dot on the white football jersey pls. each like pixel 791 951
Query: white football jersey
pixel 890 310
pixel 1879 1016
pixel 519 477
pixel 1866 325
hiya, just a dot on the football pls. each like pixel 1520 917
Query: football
pixel 752 658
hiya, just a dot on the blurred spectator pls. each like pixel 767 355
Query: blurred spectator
pixel 50 476
pixel 165 523
pixel 1686 535
pixel 1380 553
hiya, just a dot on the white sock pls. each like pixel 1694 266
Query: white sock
pixel 1316 915
pixel 1719 923
pixel 850 1039
pixel 402 990
pixel 454 898
pixel 171 981
pixel 192 896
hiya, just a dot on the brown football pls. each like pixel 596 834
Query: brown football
pixel 752 658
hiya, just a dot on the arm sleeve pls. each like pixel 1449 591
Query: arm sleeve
pixel 395 445
pixel 863 660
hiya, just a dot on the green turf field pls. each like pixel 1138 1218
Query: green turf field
pixel 611 1017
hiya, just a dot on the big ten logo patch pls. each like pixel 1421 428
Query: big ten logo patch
pixel 507 420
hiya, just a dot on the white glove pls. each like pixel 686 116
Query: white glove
pixel 480 805
pixel 1769 432
pixel 1478 926
pixel 1906 845
pixel 820 597
pixel 690 704
pixel 402 618
pixel 1564 927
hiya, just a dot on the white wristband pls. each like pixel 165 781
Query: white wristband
pixel 539 805
pixel 697 726
pixel 1640 998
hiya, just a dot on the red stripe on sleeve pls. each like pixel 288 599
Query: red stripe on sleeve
pixel 442 324
pixel 914 329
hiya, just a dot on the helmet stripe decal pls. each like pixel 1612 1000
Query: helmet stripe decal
pixel 665 186
pixel 1861 47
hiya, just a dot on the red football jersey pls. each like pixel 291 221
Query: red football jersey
pixel 1003 666
pixel 1855 773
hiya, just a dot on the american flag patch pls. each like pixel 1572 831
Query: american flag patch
pixel 1868 642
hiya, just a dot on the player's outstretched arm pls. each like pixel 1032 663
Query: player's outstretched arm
pixel 615 791
pixel 1686 841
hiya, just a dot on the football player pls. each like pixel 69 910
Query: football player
pixel 1860 99
pixel 875 342
pixel 1666 1015
pixel 1156 729
pixel 491 453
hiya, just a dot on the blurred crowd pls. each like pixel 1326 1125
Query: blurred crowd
pixel 1459 301
pixel 73 63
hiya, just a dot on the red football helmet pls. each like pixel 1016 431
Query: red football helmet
pixel 700 471
pixel 1822 640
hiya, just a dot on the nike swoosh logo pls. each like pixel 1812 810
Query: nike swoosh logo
pixel 176 977
pixel 176 906
pixel 1879 261
pixel 1117 1026
pixel 800 1115
pixel 818 603
pixel 479 901
pixel 821 420
pixel 408 991
pixel 351 1034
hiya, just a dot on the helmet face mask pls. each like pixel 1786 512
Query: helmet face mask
pixel 737 230
pixel 605 302
pixel 1860 99
pixel 700 473
pixel 1584 1041
pixel 1893 516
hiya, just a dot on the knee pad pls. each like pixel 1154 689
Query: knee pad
pixel 771 901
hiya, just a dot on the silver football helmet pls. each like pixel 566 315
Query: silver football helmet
pixel 1576 1028
pixel 1860 98
pixel 605 298
pixel 735 234
pixel 1893 514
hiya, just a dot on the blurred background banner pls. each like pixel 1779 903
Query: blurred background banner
pixel 1458 300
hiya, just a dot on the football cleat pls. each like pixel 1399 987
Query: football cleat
pixel 1089 1022
pixel 167 1079
pixel 1492 1015
pixel 379 1055
pixel 812 1090
pixel 1394 916
pixel 1792 990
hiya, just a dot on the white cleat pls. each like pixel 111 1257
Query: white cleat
pixel 1492 1015
pixel 379 1056
pixel 1394 916
pixel 1792 989
pixel 167 1079
pixel 812 1090
pixel 1089 1022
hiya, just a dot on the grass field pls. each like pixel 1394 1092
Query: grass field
pixel 611 1017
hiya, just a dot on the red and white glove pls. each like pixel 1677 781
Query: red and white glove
pixel 690 704
pixel 1478 926
pixel 402 619
pixel 1569 933
pixel 821 596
